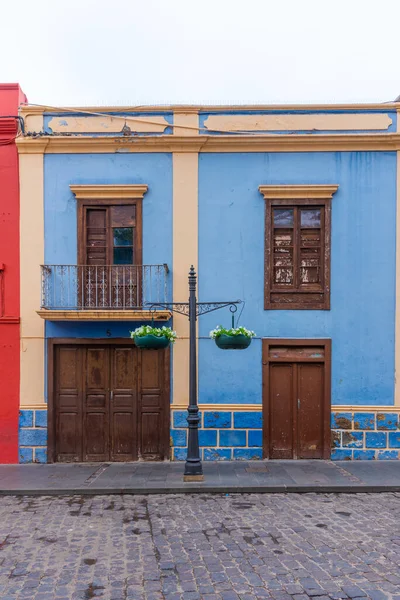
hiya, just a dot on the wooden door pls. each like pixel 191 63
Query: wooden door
pixel 108 402
pixel 296 399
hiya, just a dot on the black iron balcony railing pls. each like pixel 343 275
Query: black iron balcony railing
pixel 123 287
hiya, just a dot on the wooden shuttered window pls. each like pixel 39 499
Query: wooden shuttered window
pixel 297 249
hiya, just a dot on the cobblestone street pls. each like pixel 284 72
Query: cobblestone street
pixel 189 547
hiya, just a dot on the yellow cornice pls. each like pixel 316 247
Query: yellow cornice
pixel 209 143
pixel 297 191
pixel 104 315
pixel 108 192
pixel 186 108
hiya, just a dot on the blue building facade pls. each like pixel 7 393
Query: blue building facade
pixel 318 380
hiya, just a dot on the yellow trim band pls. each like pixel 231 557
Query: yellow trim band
pixel 217 143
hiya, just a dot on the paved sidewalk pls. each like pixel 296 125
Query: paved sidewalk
pixel 219 477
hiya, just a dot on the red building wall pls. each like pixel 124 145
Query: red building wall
pixel 11 96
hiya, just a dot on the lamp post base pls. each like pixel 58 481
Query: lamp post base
pixel 193 478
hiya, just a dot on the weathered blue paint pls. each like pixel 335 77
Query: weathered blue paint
pixel 180 418
pixel 375 439
pixel 387 421
pixel 353 439
pixel 394 439
pixel 364 455
pixel 388 455
pixel 26 455
pixel 180 453
pixel 218 420
pixel 364 420
pixel 41 455
pixel 247 420
pixel 33 437
pixel 232 438
pixel 207 437
pixel 67 116
pixel 341 454
pixel 26 418
pixel 178 437
pixel 231 266
pixel 41 418
pixel 341 420
pixel 217 454
pixel 247 453
pixel 255 437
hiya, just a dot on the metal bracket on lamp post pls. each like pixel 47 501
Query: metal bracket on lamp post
pixel 192 309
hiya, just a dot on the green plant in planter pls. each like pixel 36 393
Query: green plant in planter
pixel 235 338
pixel 153 338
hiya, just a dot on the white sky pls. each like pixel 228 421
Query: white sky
pixel 99 52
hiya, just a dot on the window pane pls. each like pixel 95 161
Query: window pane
pixel 123 236
pixel 123 256
pixel 311 217
pixel 283 217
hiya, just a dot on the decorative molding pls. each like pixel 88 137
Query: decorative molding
pixel 299 122
pixel 205 143
pixel 297 191
pixel 9 320
pixel 8 126
pixel 104 315
pixel 109 191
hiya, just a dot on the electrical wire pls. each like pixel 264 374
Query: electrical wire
pixel 137 119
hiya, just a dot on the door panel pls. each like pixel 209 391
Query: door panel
pixel 109 403
pixel 123 408
pixel 310 410
pixel 96 405
pixel 68 394
pixel 281 411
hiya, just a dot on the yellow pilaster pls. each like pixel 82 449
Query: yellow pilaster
pixel 185 248
pixel 31 257
pixel 397 317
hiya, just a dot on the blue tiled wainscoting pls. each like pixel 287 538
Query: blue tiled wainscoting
pixel 32 436
pixel 230 435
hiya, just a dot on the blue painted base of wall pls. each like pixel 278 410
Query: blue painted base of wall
pixel 237 435
pixel 33 436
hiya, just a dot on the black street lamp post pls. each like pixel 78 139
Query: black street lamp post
pixel 193 309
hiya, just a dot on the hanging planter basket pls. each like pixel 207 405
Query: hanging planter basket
pixel 238 338
pixel 148 337
pixel 152 342
pixel 233 342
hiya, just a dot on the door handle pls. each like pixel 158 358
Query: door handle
pixel 111 395
pixel 298 403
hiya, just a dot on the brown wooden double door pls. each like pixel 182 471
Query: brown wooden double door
pixel 110 403
pixel 296 398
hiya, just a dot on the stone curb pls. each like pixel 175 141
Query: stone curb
pixel 201 489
